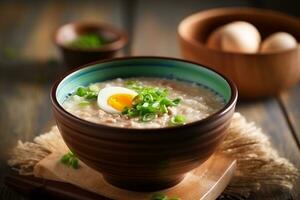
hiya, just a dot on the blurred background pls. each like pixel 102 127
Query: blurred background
pixel 29 64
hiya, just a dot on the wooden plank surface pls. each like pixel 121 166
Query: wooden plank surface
pixel 26 83
pixel 268 115
pixel 27 69
pixel 155 34
pixel 155 30
pixel 290 101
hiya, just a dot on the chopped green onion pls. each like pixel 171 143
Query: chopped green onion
pixel 163 197
pixel 133 85
pixel 163 109
pixel 148 97
pixel 70 160
pixel 91 95
pixel 148 117
pixel 87 93
pixel 84 103
pixel 159 197
pixel 177 120
pixel 81 91
pixel 149 103
pixel 176 101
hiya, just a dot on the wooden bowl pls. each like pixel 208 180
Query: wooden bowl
pixel 256 75
pixel 143 159
pixel 74 57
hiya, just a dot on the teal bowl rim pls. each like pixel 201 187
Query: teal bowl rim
pixel 228 106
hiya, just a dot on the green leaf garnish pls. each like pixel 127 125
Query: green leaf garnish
pixel 177 120
pixel 70 160
pixel 87 41
pixel 149 103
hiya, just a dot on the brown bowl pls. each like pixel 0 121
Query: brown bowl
pixel 256 75
pixel 143 159
pixel 74 57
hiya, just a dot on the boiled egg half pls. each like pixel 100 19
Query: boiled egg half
pixel 115 99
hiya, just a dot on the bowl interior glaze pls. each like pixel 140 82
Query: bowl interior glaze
pixel 144 67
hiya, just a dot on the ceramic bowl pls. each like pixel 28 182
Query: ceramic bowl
pixel 143 159
pixel 256 75
pixel 74 57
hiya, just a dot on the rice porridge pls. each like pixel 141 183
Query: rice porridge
pixel 143 102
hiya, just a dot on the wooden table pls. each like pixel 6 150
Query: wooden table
pixel 29 65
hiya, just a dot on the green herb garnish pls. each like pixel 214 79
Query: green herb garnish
pixel 86 93
pixel 163 197
pixel 149 103
pixel 87 41
pixel 70 160
pixel 177 120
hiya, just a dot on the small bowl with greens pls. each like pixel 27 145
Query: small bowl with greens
pixel 84 42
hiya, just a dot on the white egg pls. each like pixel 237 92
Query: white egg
pixel 279 41
pixel 115 99
pixel 239 36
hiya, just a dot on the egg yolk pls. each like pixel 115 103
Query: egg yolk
pixel 120 101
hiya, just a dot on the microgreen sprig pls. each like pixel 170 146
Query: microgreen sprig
pixel 70 160
pixel 177 120
pixel 149 103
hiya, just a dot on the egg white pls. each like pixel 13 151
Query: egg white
pixel 107 92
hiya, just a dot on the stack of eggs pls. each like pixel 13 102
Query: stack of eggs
pixel 243 37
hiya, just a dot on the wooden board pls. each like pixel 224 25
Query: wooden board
pixel 206 182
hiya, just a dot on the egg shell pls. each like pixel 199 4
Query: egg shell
pixel 277 42
pixel 239 37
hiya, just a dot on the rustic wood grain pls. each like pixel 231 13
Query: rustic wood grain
pixel 290 101
pixel 29 69
pixel 155 34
